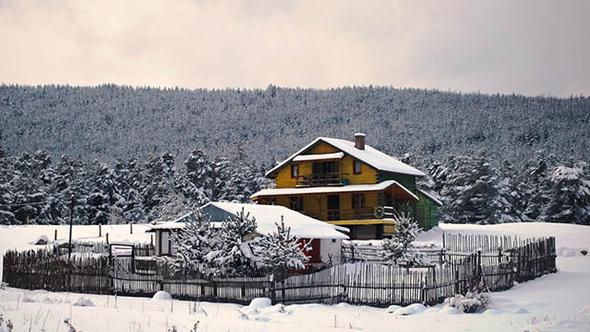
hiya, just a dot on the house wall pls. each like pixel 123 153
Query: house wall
pixel 331 248
pixel 426 212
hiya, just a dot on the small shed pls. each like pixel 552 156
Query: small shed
pixel 165 245
pixel 326 239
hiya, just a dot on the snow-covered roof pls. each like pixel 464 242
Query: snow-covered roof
pixel 166 225
pixel 169 224
pixel 432 197
pixel 333 189
pixel 319 156
pixel 266 216
pixel 369 155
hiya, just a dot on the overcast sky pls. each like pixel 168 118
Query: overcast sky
pixel 532 47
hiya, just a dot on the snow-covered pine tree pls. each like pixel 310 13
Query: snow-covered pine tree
pixel 399 249
pixel 224 187
pixel 569 196
pixel 194 243
pixel 198 182
pixel 471 191
pixel 510 195
pixel 160 184
pixel 280 251
pixel 229 259
pixel 129 182
pixel 536 185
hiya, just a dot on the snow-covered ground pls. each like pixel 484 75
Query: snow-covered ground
pixel 556 302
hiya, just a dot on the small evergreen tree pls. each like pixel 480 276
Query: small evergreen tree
pixel 228 259
pixel 280 251
pixel 194 243
pixel 399 248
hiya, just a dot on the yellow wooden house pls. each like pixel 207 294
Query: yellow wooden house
pixel 351 184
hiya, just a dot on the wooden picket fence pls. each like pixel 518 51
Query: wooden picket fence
pixel 370 283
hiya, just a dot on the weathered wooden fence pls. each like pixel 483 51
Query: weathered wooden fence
pixel 356 283
pixel 41 269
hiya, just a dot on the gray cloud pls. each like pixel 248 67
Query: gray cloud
pixel 531 47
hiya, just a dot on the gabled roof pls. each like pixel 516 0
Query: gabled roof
pixel 369 155
pixel 266 216
pixel 333 189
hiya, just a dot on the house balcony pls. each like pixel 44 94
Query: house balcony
pixel 364 213
pixel 322 179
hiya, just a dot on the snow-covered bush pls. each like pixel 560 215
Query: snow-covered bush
pixel 280 251
pixel 471 302
pixel 399 248
pixel 5 326
pixel 83 302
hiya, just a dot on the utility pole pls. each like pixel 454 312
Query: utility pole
pixel 72 203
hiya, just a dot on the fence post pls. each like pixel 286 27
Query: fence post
pixel 99 230
pixel 423 295
pixel 457 281
pixel 55 235
pixel 273 293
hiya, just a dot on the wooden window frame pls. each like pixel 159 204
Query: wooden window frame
pixel 356 162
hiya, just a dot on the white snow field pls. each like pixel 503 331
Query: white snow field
pixel 556 302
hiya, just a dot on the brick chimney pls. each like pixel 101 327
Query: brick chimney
pixel 359 141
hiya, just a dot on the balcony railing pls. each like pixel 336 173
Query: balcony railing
pixel 378 212
pixel 316 180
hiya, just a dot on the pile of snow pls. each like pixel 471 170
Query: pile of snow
pixel 412 309
pixel 260 303
pixel 83 302
pixel 41 240
pixel 393 308
pixel 162 295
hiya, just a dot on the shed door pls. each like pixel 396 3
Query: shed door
pixel 165 244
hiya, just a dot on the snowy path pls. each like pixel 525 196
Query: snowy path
pixel 557 302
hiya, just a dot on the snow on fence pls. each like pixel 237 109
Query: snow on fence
pixel 356 283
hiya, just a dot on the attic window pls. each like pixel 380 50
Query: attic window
pixel 294 170
pixel 357 167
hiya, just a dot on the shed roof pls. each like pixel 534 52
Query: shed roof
pixel 369 155
pixel 266 216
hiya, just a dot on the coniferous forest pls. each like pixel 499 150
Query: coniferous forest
pixel 125 154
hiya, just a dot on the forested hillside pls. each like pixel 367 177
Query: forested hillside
pixel 135 155
pixel 110 122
